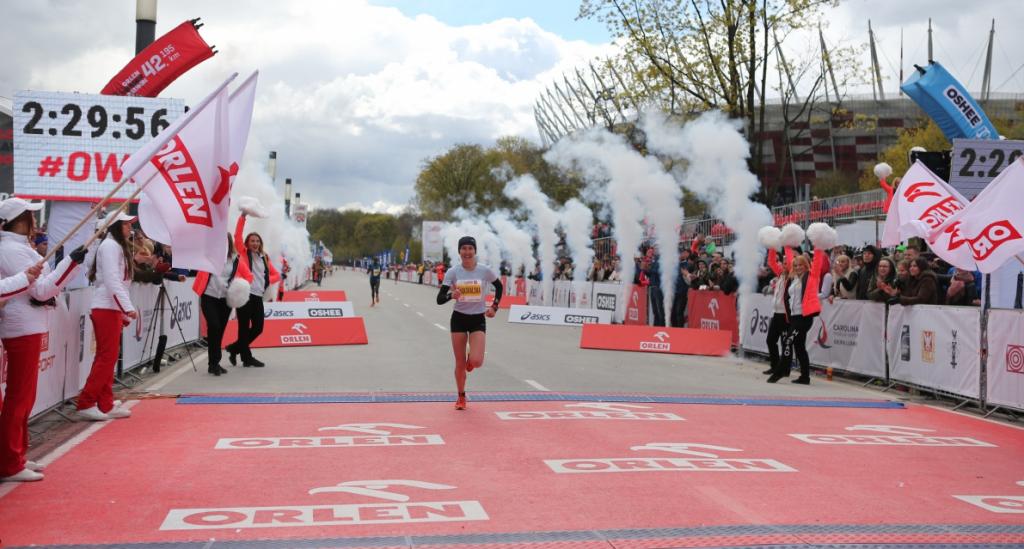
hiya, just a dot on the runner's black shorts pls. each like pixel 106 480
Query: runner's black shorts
pixel 374 282
pixel 462 322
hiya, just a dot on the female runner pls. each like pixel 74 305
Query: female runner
pixel 465 284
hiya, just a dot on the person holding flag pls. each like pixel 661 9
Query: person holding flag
pixel 112 310
pixel 29 288
pixel 218 294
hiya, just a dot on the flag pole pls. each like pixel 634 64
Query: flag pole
pixel 149 149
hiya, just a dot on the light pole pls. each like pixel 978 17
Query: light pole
pixel 145 24
pixel 272 167
pixel 288 198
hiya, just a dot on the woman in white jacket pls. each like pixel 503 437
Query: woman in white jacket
pixel 23 321
pixel 111 310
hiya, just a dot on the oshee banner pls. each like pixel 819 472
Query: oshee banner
pixel 161 63
pixel 936 347
pixel 847 335
pixel 1006 358
pixel 557 316
pixel 308 309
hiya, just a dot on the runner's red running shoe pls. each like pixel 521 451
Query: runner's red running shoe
pixel 460 404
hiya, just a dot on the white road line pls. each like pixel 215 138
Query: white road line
pixel 419 313
pixel 405 304
pixel 972 416
pixel 536 385
pixel 441 327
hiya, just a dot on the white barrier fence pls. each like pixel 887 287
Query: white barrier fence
pixel 931 346
pixel 69 347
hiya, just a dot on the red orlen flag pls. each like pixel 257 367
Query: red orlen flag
pixel 180 180
pixel 990 228
pixel 161 63
pixel 240 107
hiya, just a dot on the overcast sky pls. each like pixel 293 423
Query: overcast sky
pixel 354 95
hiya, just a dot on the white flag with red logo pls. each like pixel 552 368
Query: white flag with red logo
pixel 191 213
pixel 989 229
pixel 922 203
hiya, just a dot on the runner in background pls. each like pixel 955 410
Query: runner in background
pixel 465 283
pixel 374 272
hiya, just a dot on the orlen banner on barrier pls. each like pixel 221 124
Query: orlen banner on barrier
pixel 712 310
pixel 322 295
pixel 308 309
pixel 656 339
pixel 305 332
pixel 847 335
pixel 937 347
pixel 1005 385
pixel 636 305
pixel 557 316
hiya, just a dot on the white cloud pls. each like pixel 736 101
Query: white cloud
pixel 379 206
pixel 353 97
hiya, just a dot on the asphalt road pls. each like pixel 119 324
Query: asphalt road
pixel 409 350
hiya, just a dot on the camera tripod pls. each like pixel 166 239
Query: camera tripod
pixel 156 324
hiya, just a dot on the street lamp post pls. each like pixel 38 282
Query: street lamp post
pixel 288 198
pixel 145 24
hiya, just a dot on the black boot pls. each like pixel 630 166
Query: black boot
pixel 221 370
pixel 251 361
pixel 213 369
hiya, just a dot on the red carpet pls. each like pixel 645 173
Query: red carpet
pixel 253 472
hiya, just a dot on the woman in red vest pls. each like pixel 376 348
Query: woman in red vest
pixel 264 275
pixel 218 294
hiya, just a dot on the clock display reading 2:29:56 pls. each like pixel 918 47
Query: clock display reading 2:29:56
pixel 73 120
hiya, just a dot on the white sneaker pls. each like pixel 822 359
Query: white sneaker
pixel 25 475
pixel 117 404
pixel 34 466
pixel 92 414
pixel 119 413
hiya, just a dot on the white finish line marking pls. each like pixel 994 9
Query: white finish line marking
pixel 442 328
pixel 536 385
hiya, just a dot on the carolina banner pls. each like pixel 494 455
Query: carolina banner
pixel 161 63
pixel 849 335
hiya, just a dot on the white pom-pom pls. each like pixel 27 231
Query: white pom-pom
pixel 238 292
pixel 770 237
pixel 822 236
pixel 792 235
pixel 883 170
pixel 251 207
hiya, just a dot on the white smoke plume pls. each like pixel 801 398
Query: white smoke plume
pixel 716 154
pixel 281 236
pixel 526 190
pixel 518 244
pixel 636 187
pixel 577 221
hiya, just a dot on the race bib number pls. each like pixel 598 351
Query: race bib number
pixel 472 290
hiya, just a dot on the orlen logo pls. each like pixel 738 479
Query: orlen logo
pixel 535 316
pixel 302 337
pixel 326 313
pixel 175 164
pixel 991 238
pixel 660 345
pixel 581 319
pixel 713 306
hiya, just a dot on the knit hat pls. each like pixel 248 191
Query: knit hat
pixel 467 241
